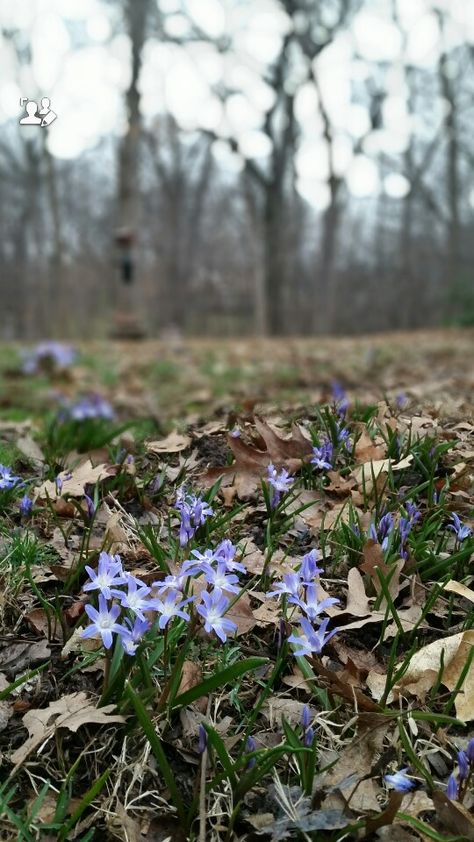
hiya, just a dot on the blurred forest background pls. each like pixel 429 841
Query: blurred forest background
pixel 272 166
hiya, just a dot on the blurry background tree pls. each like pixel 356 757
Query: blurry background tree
pixel 284 166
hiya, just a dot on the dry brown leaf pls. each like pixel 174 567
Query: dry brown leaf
pixel 30 449
pixel 276 708
pixel 17 656
pixel 279 449
pixel 191 676
pixel 73 482
pixel 173 443
pixel 366 473
pixel 426 663
pixel 68 712
pixel 454 816
pixel 351 774
pixel 460 589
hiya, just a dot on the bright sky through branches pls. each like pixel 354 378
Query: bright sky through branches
pixel 81 61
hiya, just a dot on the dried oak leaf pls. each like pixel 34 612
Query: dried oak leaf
pixel 454 816
pixel 69 712
pixel 73 482
pixel 425 664
pixel 251 463
pixel 173 443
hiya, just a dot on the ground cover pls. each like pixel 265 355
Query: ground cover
pixel 236 596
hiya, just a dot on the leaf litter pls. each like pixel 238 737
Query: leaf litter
pixel 196 437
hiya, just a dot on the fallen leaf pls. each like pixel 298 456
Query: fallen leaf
pixel 460 589
pixel 68 712
pixel 17 656
pixel 453 815
pixel 73 482
pixel 191 676
pixel 425 665
pixel 173 443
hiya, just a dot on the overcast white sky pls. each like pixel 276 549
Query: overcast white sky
pixel 86 79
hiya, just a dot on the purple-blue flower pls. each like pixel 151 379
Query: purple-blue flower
pixel 290 586
pixel 452 788
pixel 464 766
pixel 225 552
pixel 400 781
pixel 383 530
pixel 470 750
pixel 91 507
pixel 202 741
pixel 171 606
pixel 212 611
pixel 26 506
pixel 220 578
pixel 133 633
pixel 108 576
pixel 281 482
pixel 136 598
pixel 310 640
pixel 322 456
pixel 309 569
pixel 7 478
pixel 177 581
pixel 311 605
pixel 87 407
pixel 461 530
pixel 103 622
pixel 250 747
pixel 48 353
pixel 194 511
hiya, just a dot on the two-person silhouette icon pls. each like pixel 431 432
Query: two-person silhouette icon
pixel 46 114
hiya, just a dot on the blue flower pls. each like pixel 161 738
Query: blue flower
pixel 400 781
pixel 194 511
pixel 136 598
pixel 281 482
pixel 311 641
pixel 309 569
pixel 290 585
pixel 220 578
pixel 26 506
pixel 103 622
pixel 212 612
pixel 311 605
pixel 322 456
pixel 7 478
pixel 462 532
pixel 109 575
pixel 133 634
pixel 463 763
pixel 171 606
pixel 452 788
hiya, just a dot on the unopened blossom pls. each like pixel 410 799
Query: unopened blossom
pixel 452 788
pixel 103 622
pixel 109 575
pixel 400 781
pixel 212 611
pixel 171 606
pixel 383 530
pixel 202 741
pixel 250 747
pixel 26 506
pixel 309 569
pixel 91 507
pixel 470 750
pixel 464 765
pixel 461 530
pixel 340 398
pixel 194 511
pixel 225 552
pixel 280 482
pixel 311 641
